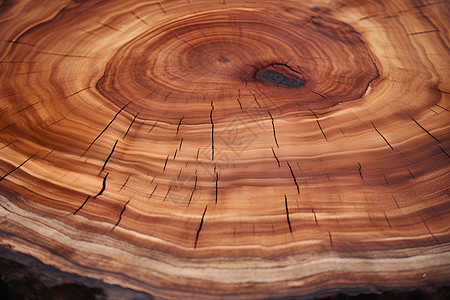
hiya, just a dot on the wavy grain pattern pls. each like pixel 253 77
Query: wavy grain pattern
pixel 228 148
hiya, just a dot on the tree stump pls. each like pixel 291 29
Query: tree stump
pixel 228 148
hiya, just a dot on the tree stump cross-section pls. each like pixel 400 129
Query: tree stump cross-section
pixel 227 149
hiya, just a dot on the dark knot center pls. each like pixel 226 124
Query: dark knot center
pixel 281 75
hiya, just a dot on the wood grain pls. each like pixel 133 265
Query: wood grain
pixel 228 148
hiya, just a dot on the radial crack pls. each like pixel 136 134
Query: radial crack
pixel 200 227
pixel 165 163
pixel 424 223
pixel 274 155
pixel 123 185
pixel 86 88
pixel 121 213
pixel 179 124
pixel 161 7
pixel 153 127
pixel 293 176
pixel 109 156
pixel 181 143
pixel 444 151
pixel 85 201
pixel 212 130
pixel 134 119
pixel 426 131
pixel 103 186
pixel 382 136
pixel 273 127
pixel 360 172
pixel 7 145
pixel 109 124
pixel 217 188
pixel 256 100
pixel 287 213
pixel 16 168
pixel 318 123
pixel 387 220
pixel 192 194
pixel 315 217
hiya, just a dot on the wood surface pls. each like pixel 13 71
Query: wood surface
pixel 241 149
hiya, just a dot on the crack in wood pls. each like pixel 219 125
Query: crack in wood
pixel 293 176
pixel 165 163
pixel 51 124
pixel 167 194
pixel 107 126
pixel 240 105
pixel 385 179
pixel 6 127
pixel 423 32
pixel 110 27
pixel 239 98
pixel 360 172
pixel 434 237
pixel 181 143
pixel 121 213
pixel 54 148
pixel 315 217
pixel 287 213
pixel 81 206
pixel 86 88
pixel 151 194
pixel 395 200
pixel 167 96
pixel 212 131
pixel 19 43
pixel 195 187
pixel 200 227
pixel 387 220
pixel 103 186
pixel 65 54
pixel 217 188
pixel 139 18
pixel 27 107
pixel 442 106
pixel 7 145
pixel 131 124
pixel 273 127
pixel 16 168
pixel 256 100
pixel 179 124
pixel 274 155
pixel 109 156
pixel 444 151
pixel 426 131
pixel 161 7
pixel 153 126
pixel 318 123
pixel 382 136
pixel 319 94
pixel 123 185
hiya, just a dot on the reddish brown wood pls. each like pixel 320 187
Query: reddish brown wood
pixel 228 148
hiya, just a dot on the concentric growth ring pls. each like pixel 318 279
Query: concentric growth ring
pixel 213 53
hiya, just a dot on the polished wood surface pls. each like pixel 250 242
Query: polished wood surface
pixel 228 148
